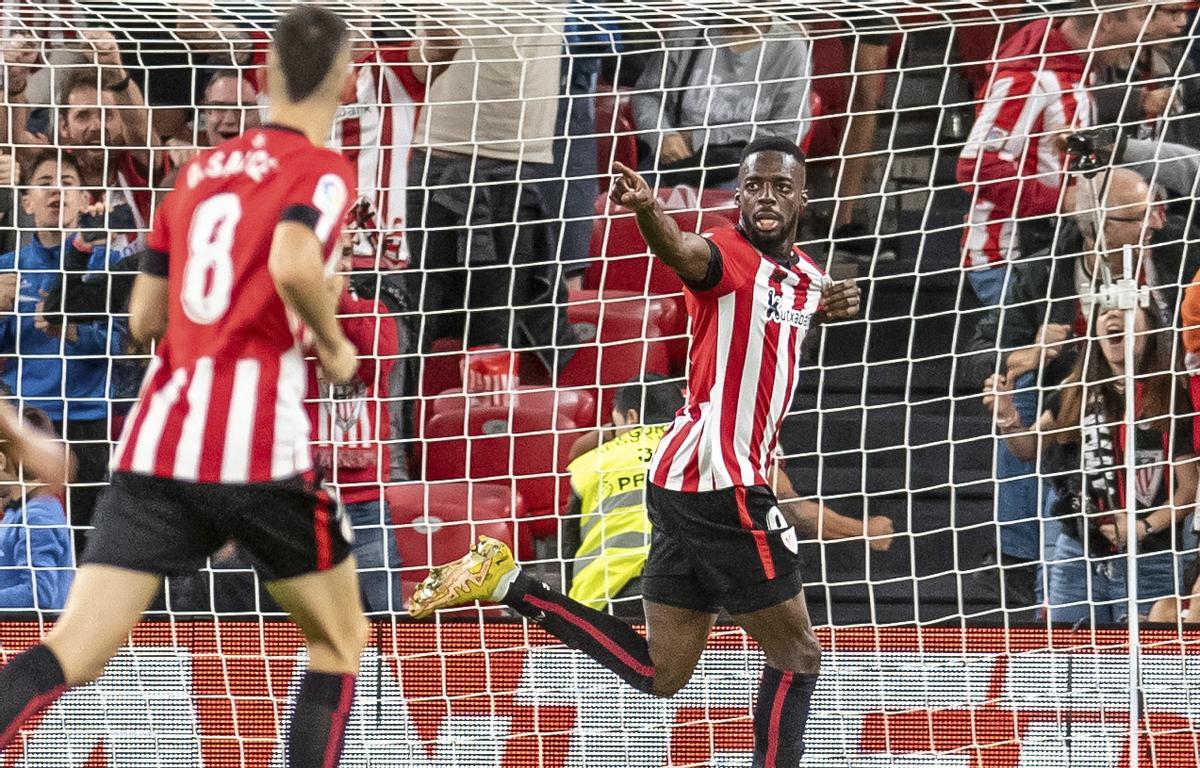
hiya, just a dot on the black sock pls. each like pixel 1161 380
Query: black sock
pixel 779 717
pixel 28 684
pixel 319 722
pixel 608 640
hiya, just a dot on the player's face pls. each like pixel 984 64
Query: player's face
pixel 228 102
pixel 771 198
pixel 54 198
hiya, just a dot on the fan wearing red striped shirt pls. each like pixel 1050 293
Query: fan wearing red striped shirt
pixel 719 539
pixel 236 279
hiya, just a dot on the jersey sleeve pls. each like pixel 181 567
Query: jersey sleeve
pixel 403 60
pixel 158 241
pixel 320 198
pixel 737 261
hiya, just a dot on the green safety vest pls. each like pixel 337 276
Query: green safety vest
pixel 614 529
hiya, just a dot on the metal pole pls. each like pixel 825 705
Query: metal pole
pixel 1130 304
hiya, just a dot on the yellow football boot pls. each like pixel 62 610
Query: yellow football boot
pixel 474 576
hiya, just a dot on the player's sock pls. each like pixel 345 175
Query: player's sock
pixel 608 640
pixel 319 722
pixel 780 714
pixel 28 683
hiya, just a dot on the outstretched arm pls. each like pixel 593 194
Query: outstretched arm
pixel 685 252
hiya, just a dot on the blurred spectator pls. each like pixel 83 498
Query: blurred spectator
pixel 1159 96
pixel 36 561
pixel 869 64
pixel 102 120
pixel 375 126
pixel 1027 340
pixel 351 443
pixel 1185 607
pixel 229 108
pixel 1081 434
pixel 482 235
pixel 711 91
pixel 1011 164
pixel 61 359
pixel 20 55
pixel 607 525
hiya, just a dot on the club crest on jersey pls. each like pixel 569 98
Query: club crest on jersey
pixel 776 313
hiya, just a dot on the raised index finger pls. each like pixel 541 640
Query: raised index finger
pixel 629 174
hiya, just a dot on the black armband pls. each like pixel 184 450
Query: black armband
pixel 716 270
pixel 153 262
pixel 302 214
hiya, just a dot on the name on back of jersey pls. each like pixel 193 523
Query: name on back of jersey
pixel 255 164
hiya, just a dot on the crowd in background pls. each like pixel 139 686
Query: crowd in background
pixel 481 159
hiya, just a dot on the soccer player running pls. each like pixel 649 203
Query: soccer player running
pixel 217 449
pixel 719 539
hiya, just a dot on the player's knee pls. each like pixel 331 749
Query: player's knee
pixel 668 681
pixel 801 654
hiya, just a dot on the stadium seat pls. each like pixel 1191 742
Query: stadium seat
pixel 615 133
pixel 511 446
pixel 573 405
pixel 623 343
pixel 668 313
pixel 438 522
pixel 621 260
pixel 816 108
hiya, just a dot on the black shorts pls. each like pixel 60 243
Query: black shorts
pixel 169 527
pixel 730 549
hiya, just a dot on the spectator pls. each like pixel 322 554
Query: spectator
pixel 481 235
pixel 102 120
pixel 1011 164
pixel 62 359
pixel 351 442
pixel 871 45
pixel 375 126
pixel 606 524
pixel 1027 340
pixel 230 106
pixel 1185 608
pixel 710 92
pixel 1080 434
pixel 1159 96
pixel 36 563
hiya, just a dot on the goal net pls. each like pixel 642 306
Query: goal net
pixel 1008 182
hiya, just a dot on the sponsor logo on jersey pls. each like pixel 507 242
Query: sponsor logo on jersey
pixel 776 313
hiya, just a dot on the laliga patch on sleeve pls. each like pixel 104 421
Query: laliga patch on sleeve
pixel 330 199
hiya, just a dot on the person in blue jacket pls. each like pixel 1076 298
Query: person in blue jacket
pixel 37 565
pixel 59 361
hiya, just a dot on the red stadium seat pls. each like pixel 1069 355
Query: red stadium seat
pixel 438 522
pixel 615 133
pixel 621 260
pixel 511 446
pixel 442 369
pixel 816 109
pixel 572 405
pixel 668 313
pixel 625 343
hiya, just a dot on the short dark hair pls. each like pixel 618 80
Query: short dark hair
pixel 655 397
pixel 773 144
pixel 307 41
pixel 47 155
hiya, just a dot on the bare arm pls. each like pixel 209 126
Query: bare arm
pixel 299 274
pixel 814 519
pixel 685 252
pixel 44 457
pixel 1023 440
pixel 148 308
pixel 436 47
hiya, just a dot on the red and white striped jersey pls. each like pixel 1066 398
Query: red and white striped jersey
pixel 374 129
pixel 745 350
pixel 1011 164
pixel 223 399
pixel 352 420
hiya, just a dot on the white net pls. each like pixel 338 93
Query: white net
pixel 964 563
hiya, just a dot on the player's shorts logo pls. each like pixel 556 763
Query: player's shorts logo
pixel 777 522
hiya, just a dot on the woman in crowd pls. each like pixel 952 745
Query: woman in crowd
pixel 1081 438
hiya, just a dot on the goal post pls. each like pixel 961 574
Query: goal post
pixel 1011 184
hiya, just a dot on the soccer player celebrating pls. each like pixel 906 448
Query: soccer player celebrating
pixel 719 539
pixel 217 449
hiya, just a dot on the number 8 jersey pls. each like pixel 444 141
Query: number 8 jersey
pixel 223 398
